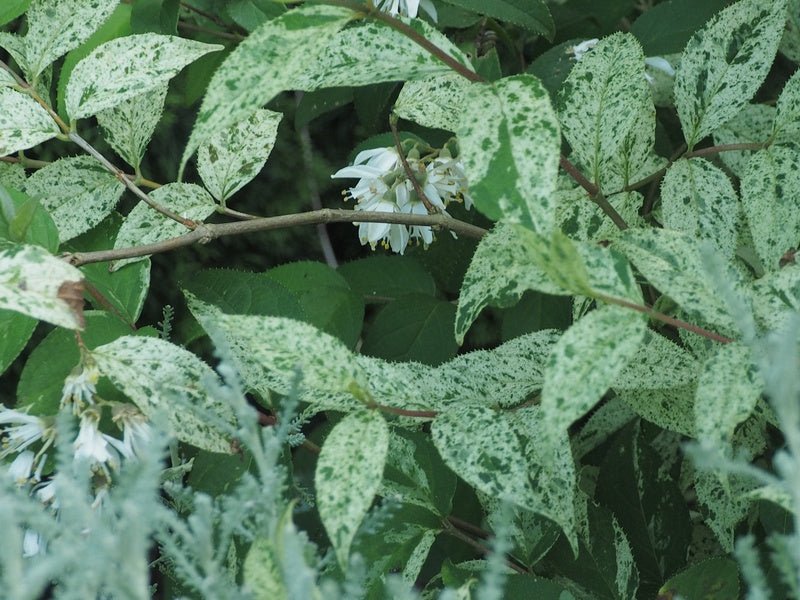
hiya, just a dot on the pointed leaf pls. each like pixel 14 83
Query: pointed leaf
pixel 713 579
pixel 776 296
pixel 533 15
pixel 787 118
pixel 127 67
pixel 57 26
pixel 144 225
pixel 725 63
pixel 152 372
pixel 434 101
pixel 23 123
pixel 349 471
pixel 510 141
pixel 658 364
pixel 77 192
pixel 235 155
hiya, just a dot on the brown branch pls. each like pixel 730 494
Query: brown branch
pixel 404 412
pixel 594 192
pixel 456 533
pixel 206 232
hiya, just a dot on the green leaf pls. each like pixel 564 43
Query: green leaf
pixel 610 417
pixel 127 67
pixel 319 102
pixel 42 380
pixel 790 44
pixel 586 361
pixel 531 15
pixel 269 61
pixel 11 9
pixel 583 220
pixel 326 298
pixel 434 101
pixel 698 199
pixel 414 327
pixel 667 27
pixel 727 393
pixel 754 124
pixel 252 13
pixel 15 331
pixel 144 225
pixel 234 156
pixel 607 112
pixel 35 283
pixel 153 373
pixel 713 579
pixel 386 277
pixel 24 220
pixel 23 123
pixel 349 471
pixel 649 506
pixel 672 262
pixel 725 63
pixel 262 573
pixel 218 474
pixel 787 116
pixel 671 409
pixel 77 192
pixel 509 140
pixel 771 201
pixel 12 175
pixel 57 26
pixel 155 16
pixel 535 312
pixel 776 296
pixel 130 125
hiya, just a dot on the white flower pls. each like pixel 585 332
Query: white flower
pixel 408 8
pixel 21 467
pixel 31 544
pixel 90 443
pixel 391 235
pixel 46 493
pixel 80 386
pixel 23 431
pixel 579 50
pixel 136 431
pixel 660 64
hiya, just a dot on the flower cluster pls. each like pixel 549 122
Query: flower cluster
pixel 21 433
pixel 383 186
pixel 407 8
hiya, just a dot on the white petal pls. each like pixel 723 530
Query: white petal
pixel 357 172
pixel 660 64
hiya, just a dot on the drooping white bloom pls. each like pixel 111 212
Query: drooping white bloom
pixel 136 431
pixel 91 444
pixel 21 467
pixel 80 386
pixel 660 64
pixel 46 493
pixel 579 50
pixel 31 544
pixel 407 8
pixel 19 430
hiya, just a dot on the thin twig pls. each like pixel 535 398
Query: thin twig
pixel 456 533
pixel 206 232
pixel 407 168
pixel 234 37
pixel 579 177
pixel 26 162
pixel 403 412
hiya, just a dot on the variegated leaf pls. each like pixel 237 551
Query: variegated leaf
pixel 434 101
pixel 145 225
pixel 235 155
pixel 790 44
pixel 130 125
pixel 753 125
pixel 725 63
pixel 35 283
pixel 671 409
pixel 776 296
pixel 12 175
pixel 658 364
pixel 126 67
pixel 771 201
pixel 77 192
pixel 698 198
pixel 153 373
pixel 787 118
pixel 509 141
pixel 23 123
pixel 57 26
pixel 581 219
pixel 349 472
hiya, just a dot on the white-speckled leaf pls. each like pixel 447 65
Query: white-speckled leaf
pixel 126 67
pixel 270 60
pixel 57 26
pixel 12 175
pixel 581 219
pixel 771 200
pixel 671 261
pixel 145 225
pixel 776 296
pixel 37 284
pixel 15 46
pixel 130 125
pixel 349 472
pixel 658 364
pixel 268 351
pixel 779 495
pixel 609 418
pixel 670 409
pixel 435 101
pixel 153 372
pixel 6 79
pixel 235 155
pixel 727 392
pixel 77 192
pixel 607 111
pixel 787 118
pixel 790 44
pixel 698 198
pixel 726 502
pixel 725 63
pixel 586 361
pixel 753 124
pixel 23 123
pixel 509 139
pixel 502 269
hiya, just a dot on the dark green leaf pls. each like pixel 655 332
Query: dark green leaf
pixel 536 311
pixel 252 13
pixel 553 66
pixel 155 16
pixel 15 331
pixel 517 587
pixel 373 103
pixel 413 327
pixel 667 27
pixel 215 474
pixel 387 277
pixel 11 9
pixel 530 14
pixel 319 102
pixel 713 579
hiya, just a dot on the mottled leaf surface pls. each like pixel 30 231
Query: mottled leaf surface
pixel 349 472
pixel 658 364
pixel 725 63
pixel 78 193
pixel 671 409
pixel 127 67
pixel 35 283
pixel 130 125
pixel 153 373
pixel 434 101
pixel 57 26
pixel 771 201
pixel 753 125
pixel 776 296
pixel 509 139
pixel 698 199
pixel 145 225
pixel 787 117
pixel 790 44
pixel 23 123
pixel 235 155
